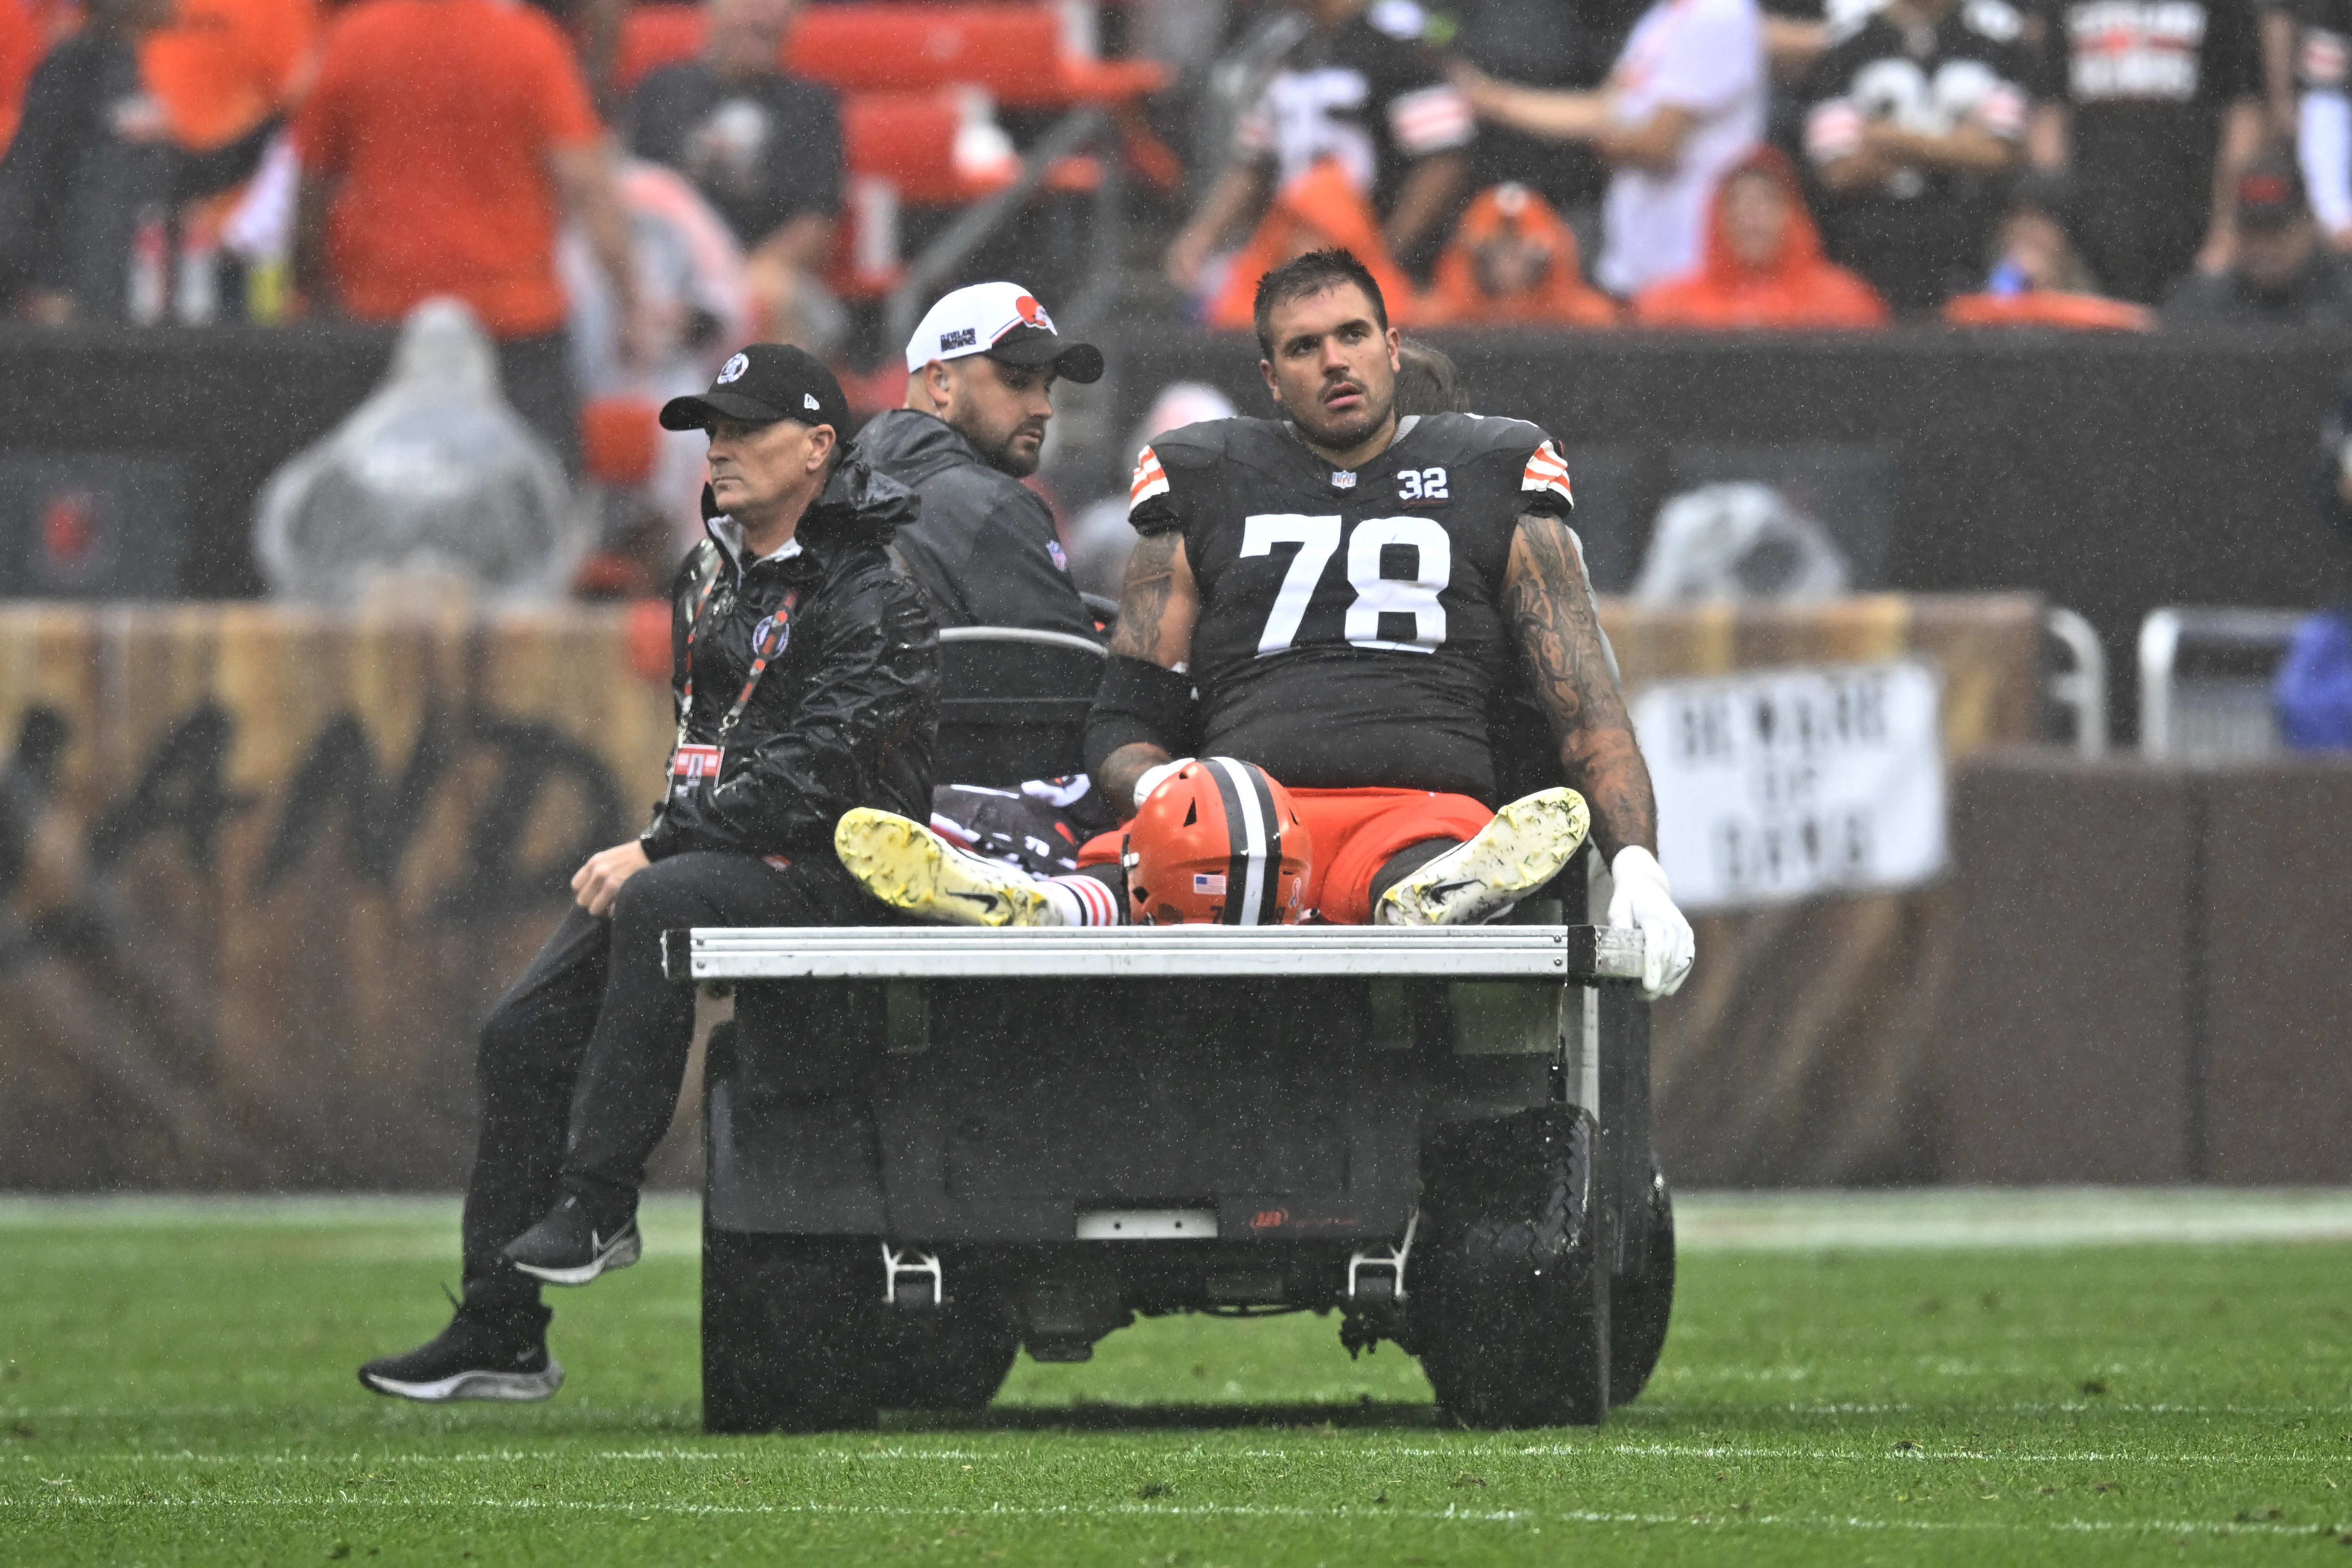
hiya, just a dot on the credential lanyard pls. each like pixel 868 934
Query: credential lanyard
pixel 774 632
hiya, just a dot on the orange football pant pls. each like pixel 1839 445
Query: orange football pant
pixel 1354 831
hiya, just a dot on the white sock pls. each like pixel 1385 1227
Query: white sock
pixel 1080 902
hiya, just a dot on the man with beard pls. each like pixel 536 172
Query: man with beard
pixel 1338 598
pixel 980 380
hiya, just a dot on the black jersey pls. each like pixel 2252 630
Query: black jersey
pixel 1369 93
pixel 1350 633
pixel 1919 237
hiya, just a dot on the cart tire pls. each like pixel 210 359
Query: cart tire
pixel 1640 1304
pixel 1514 1327
pixel 787 1331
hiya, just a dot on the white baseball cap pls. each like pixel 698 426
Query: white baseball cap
pixel 1004 322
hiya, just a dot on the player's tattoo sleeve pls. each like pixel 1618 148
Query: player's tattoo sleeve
pixel 1158 603
pixel 1550 613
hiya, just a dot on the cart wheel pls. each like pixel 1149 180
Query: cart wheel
pixel 955 1360
pixel 1640 1304
pixel 1515 1331
pixel 786 1332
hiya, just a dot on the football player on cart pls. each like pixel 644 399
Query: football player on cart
pixel 1337 598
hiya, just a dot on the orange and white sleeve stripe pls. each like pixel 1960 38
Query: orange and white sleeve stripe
pixel 1546 471
pixel 1150 480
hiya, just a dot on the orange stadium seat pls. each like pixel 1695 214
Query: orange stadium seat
pixel 911 48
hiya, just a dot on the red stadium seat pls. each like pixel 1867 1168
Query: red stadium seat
pixel 655 35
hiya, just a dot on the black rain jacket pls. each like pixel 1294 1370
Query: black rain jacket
pixel 984 550
pixel 846 713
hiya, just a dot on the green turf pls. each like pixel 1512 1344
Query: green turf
pixel 176 1386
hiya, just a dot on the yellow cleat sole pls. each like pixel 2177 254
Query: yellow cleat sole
pixel 914 870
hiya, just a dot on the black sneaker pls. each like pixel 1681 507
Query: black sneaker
pixel 567 1247
pixel 480 1355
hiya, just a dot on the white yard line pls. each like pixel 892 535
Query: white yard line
pixel 1934 1218
pixel 65 1497
pixel 1320 1448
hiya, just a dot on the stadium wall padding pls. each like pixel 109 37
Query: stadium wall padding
pixel 262 872
pixel 2150 982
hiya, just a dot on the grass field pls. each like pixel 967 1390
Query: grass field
pixel 2036 1378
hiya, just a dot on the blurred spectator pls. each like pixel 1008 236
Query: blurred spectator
pixel 443 140
pixel 2324 141
pixel 594 28
pixel 21 47
pixel 1911 117
pixel 1764 263
pixel 224 66
pixel 2154 106
pixel 1320 210
pixel 1360 88
pixel 1512 259
pixel 1428 381
pixel 1539 43
pixel 93 182
pixel 1684 101
pixel 2281 275
pixel 2276 22
pixel 2038 279
pixel 764 148
pixel 696 304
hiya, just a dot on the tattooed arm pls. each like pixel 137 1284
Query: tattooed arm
pixel 1157 608
pixel 1549 609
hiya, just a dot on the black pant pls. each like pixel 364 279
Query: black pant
pixel 582 1061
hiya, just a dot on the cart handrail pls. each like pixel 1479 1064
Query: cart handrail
pixel 1579 955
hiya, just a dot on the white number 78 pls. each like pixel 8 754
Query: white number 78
pixel 1318 539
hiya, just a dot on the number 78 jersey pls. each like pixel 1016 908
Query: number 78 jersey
pixel 1350 633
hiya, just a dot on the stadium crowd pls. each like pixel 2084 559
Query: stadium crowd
pixel 1697 163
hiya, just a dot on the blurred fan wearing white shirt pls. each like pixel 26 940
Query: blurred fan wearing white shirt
pixel 1684 101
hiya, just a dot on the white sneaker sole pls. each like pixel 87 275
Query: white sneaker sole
pixel 910 867
pixel 1521 849
pixel 619 1253
pixel 514 1387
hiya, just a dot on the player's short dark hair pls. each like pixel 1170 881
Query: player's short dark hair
pixel 1428 381
pixel 1311 273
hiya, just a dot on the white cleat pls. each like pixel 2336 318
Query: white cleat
pixel 1525 845
pixel 912 868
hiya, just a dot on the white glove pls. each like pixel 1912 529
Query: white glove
pixel 1154 777
pixel 1643 902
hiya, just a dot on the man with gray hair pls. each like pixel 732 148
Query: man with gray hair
pixel 980 380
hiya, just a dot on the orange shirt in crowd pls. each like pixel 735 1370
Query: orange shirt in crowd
pixel 1319 209
pixel 432 122
pixel 1505 215
pixel 223 67
pixel 2050 308
pixel 1798 287
pixel 21 47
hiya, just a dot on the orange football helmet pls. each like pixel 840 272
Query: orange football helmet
pixel 1218 843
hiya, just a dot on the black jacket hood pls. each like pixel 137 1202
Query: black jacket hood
pixel 917 445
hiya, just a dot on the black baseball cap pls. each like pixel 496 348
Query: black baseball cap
pixel 760 384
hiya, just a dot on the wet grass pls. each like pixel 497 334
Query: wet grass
pixel 176 1386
